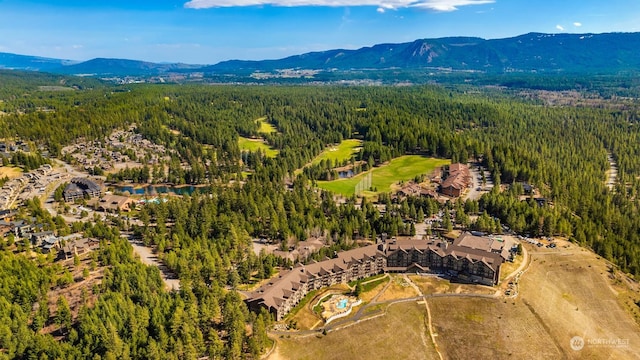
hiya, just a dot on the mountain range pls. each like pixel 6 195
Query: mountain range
pixel 529 53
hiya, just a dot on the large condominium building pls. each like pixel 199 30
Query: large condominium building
pixel 79 187
pixel 468 258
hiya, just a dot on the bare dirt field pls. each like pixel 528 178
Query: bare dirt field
pixel 489 329
pixel 435 285
pixel 565 293
pixel 377 338
pixel 398 289
pixel 570 292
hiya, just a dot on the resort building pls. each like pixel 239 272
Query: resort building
pixel 457 180
pixel 114 203
pixel 468 258
pixel 79 187
pixel 283 293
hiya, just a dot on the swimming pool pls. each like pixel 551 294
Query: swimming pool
pixel 342 304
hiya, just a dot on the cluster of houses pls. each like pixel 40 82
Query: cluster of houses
pixel 25 184
pixel 6 148
pixel 468 258
pixel 113 150
pixel 45 240
pixel 457 178
pixel 413 189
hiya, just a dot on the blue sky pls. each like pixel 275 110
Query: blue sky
pixel 209 31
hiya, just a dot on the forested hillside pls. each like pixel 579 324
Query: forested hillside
pixel 206 238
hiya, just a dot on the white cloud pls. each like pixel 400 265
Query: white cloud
pixel 577 24
pixel 560 27
pixel 380 10
pixel 437 5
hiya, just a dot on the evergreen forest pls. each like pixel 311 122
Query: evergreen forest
pixel 206 238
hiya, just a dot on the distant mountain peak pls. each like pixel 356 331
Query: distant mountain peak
pixel 531 52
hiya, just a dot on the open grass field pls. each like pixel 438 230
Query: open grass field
pixel 265 126
pixel 402 168
pixel 571 292
pixel 339 153
pixel 11 172
pixel 400 334
pixel 255 144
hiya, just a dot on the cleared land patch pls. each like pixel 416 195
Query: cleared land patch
pixel 11 172
pixel 489 329
pixel 399 169
pixel 436 285
pixel 570 291
pixel 55 88
pixel 254 145
pixel 265 126
pixel 399 334
pixel 398 289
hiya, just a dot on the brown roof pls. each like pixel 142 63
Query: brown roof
pixel 473 248
pixel 274 293
pixel 459 177
pixel 114 202
pixel 488 244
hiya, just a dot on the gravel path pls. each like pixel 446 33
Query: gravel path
pixel 612 177
pixel 149 258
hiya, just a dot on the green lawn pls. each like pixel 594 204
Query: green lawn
pixel 255 144
pixel 265 126
pixel 339 153
pixel 401 168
